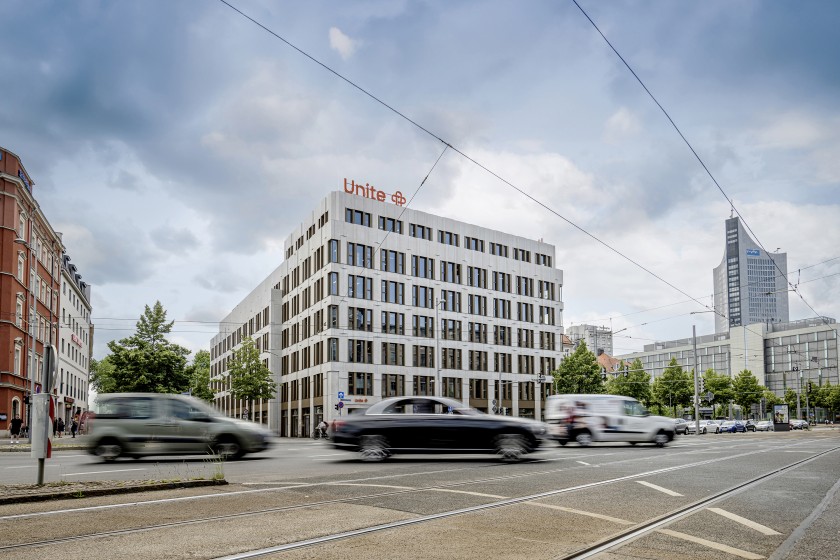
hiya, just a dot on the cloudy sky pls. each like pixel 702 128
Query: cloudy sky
pixel 176 144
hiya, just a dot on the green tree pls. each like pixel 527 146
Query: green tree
pixel 674 387
pixel 250 379
pixel 770 400
pixel 719 385
pixel 102 375
pixel 631 381
pixel 147 362
pixel 790 400
pixel 746 391
pixel 199 372
pixel 579 373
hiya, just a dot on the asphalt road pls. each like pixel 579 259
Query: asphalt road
pixel 708 497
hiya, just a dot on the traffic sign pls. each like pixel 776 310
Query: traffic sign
pixel 340 404
pixel 341 394
pixel 710 396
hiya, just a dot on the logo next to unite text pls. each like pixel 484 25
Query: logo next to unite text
pixel 368 191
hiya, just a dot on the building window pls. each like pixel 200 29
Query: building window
pixel 334 283
pixel 335 251
pixel 424 356
pixel 421 232
pixel 424 385
pixel 450 272
pixel 359 255
pixel 21 266
pixel 360 319
pixel 392 261
pixel 357 217
pixel 393 385
pixel 450 358
pixel 390 224
pixel 451 300
pixel 451 387
pixel 393 292
pixel 359 383
pixel 450 329
pixel 448 238
pixel 393 354
pixel 421 296
pixel 422 326
pixel 332 350
pixel 359 287
pixel 359 351
pixel 422 267
pixel 393 323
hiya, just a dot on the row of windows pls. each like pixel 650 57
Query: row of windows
pixel 310 231
pixel 361 218
pixel 394 385
pixel 361 351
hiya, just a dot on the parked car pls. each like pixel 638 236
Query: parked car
pixel 764 426
pixel 732 426
pixel 799 425
pixel 141 424
pixel 705 427
pixel 749 425
pixel 680 426
pixel 434 425
pixel 588 418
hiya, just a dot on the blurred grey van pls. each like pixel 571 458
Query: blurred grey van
pixel 142 424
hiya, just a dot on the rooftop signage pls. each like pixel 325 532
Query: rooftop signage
pixel 23 178
pixel 369 191
pixel 753 253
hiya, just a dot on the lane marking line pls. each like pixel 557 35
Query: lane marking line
pixel 744 521
pixel 582 463
pixel 452 491
pixel 586 513
pixel 371 485
pixel 655 487
pixel 329 455
pixel 100 472
pixel 712 544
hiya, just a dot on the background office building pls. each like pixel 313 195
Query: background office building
pixel 596 338
pixel 374 300
pixel 749 284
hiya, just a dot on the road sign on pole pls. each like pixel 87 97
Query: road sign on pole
pixel 341 394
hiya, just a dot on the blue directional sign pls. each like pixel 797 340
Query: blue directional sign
pixel 753 253
pixel 341 394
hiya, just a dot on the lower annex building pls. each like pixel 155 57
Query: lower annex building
pixel 375 300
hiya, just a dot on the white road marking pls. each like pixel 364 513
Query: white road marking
pixel 586 513
pixel 372 485
pixel 100 472
pixel 712 544
pixel 329 455
pixel 466 492
pixel 743 521
pixel 655 487
pixel 582 463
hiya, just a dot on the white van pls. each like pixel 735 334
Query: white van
pixel 588 418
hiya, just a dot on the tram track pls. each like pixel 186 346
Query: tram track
pixel 394 493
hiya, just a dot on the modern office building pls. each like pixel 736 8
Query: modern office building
pixel 376 300
pixel 780 355
pixel 750 284
pixel 596 338
pixel 76 335
pixel 30 262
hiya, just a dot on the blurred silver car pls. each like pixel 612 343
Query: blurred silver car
pixel 141 424
pixel 706 426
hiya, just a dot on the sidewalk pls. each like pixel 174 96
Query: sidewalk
pixel 58 444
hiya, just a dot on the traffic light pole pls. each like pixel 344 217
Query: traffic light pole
pixel 696 381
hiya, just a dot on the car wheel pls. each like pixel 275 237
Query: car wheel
pixel 661 439
pixel 373 448
pixel 562 441
pixel 512 447
pixel 633 443
pixel 109 449
pixel 703 431
pixel 583 438
pixel 228 447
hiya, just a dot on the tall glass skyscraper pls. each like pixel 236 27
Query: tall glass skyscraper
pixel 750 284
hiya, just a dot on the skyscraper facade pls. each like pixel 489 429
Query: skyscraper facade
pixel 750 284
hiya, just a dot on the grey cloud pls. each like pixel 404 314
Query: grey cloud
pixel 174 240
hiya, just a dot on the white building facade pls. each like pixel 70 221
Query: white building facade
pixel 75 335
pixel 376 300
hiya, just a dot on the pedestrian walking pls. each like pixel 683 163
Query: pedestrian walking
pixel 75 425
pixel 60 423
pixel 14 427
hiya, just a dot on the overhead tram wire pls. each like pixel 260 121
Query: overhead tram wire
pixel 699 159
pixel 469 158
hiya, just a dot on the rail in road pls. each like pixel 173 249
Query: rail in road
pixel 723 498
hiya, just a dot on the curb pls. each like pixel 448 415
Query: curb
pixel 25 447
pixel 79 494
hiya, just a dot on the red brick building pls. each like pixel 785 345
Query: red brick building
pixel 30 287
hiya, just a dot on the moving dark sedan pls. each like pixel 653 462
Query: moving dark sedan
pixel 731 427
pixel 434 424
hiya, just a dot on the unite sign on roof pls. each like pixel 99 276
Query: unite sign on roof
pixel 368 191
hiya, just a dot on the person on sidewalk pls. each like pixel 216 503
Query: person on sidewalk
pixel 60 423
pixel 75 425
pixel 14 427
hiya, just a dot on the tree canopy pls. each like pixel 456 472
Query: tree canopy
pixel 631 381
pixel 746 391
pixel 250 379
pixel 199 373
pixel 579 373
pixel 145 362
pixel 674 387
